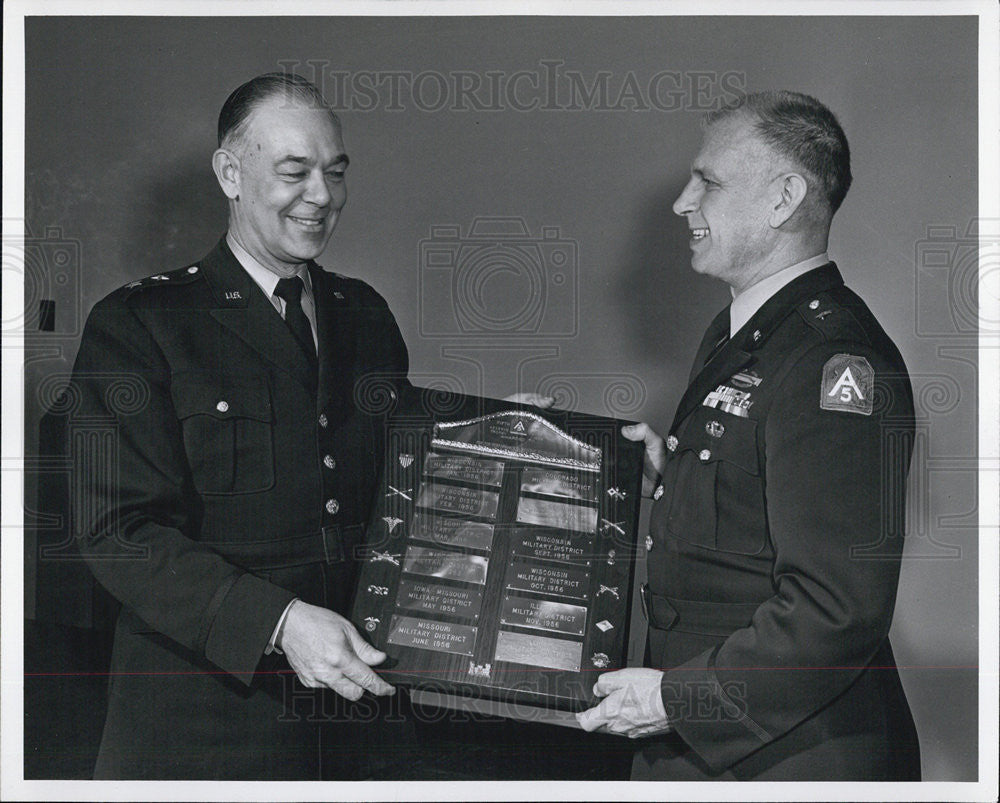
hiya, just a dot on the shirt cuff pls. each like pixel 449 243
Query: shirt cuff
pixel 272 645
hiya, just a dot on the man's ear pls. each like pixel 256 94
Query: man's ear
pixel 227 170
pixel 792 188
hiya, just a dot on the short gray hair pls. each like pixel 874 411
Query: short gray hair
pixel 803 130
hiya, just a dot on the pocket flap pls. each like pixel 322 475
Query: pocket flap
pixel 221 396
pixel 723 437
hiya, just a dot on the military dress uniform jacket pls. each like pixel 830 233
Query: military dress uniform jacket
pixel 775 549
pixel 224 477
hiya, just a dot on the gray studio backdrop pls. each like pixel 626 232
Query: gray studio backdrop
pixel 568 138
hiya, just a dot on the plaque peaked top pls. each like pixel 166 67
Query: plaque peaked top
pixel 520 435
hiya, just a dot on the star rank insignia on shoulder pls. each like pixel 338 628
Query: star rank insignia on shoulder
pixel 174 277
pixel 848 385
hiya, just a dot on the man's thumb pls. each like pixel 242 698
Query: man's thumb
pixel 365 651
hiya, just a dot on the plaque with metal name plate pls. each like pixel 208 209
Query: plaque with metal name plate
pixel 426 634
pixel 464 468
pixel 416 595
pixel 553 482
pixel 500 556
pixel 446 565
pixel 554 580
pixel 448 531
pixel 552 545
pixel 540 614
pixel 558 515
pixel 454 499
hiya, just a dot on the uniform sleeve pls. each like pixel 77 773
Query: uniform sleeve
pixel 135 511
pixel 391 354
pixel 835 488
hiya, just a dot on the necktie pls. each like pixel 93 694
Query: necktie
pixel 291 291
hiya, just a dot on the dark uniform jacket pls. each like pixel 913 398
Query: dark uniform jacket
pixel 222 479
pixel 775 549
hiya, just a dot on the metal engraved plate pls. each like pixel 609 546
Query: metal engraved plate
pixel 462 467
pixel 518 434
pixel 552 482
pixel 409 631
pixel 556 514
pixel 447 565
pixel 447 531
pixel 551 653
pixel 429 598
pixel 559 581
pixel 551 545
pixel 469 501
pixel 539 614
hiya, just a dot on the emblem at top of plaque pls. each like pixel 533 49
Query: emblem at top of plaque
pixel 520 435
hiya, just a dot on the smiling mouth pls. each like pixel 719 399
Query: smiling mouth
pixel 699 234
pixel 309 223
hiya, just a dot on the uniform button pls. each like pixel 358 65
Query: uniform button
pixel 329 462
pixel 193 269
pixel 222 406
pixel 715 429
pixel 814 304
pixel 672 443
pixel 332 506
pixel 649 543
pixel 704 455
pixel 658 492
pixel 323 422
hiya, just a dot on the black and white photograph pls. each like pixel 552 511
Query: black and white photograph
pixel 438 400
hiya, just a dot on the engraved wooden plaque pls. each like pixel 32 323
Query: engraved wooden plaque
pixel 500 557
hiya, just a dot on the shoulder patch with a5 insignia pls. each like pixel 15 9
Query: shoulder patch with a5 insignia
pixel 848 385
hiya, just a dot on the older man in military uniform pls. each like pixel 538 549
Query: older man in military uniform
pixel 777 530
pixel 224 510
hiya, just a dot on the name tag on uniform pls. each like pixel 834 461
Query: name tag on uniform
pixel 729 400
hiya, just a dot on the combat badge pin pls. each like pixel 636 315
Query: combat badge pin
pixel 848 385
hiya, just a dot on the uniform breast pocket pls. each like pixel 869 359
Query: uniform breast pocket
pixel 717 499
pixel 228 431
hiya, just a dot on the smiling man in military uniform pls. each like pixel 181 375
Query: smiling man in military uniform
pixel 776 535
pixel 225 513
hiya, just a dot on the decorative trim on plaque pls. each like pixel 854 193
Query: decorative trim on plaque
pixel 600 660
pixel 406 460
pixel 377 557
pixel 479 670
pixel 371 622
pixel 538 441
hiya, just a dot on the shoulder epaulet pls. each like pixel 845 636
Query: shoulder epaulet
pixel 168 279
pixel 831 318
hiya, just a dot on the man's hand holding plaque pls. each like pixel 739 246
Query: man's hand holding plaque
pixel 632 704
pixel 325 649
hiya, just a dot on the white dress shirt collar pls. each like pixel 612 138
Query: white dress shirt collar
pixel 746 304
pixel 265 279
